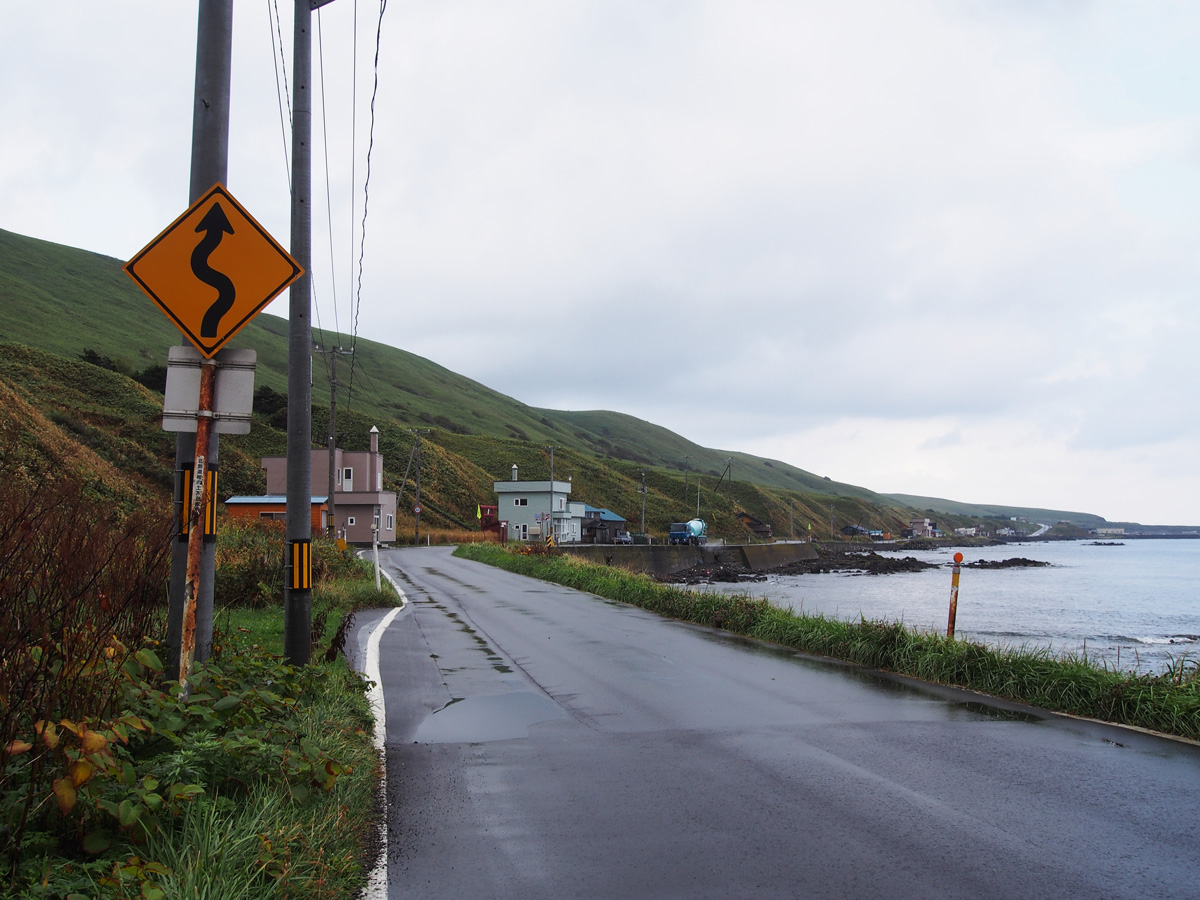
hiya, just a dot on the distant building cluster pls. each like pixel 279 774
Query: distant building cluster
pixel 535 510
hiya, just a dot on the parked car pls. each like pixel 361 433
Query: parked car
pixel 624 537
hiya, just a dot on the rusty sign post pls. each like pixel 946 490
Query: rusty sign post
pixel 958 558
pixel 198 514
pixel 211 271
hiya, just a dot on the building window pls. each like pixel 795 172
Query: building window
pixel 349 519
pixel 347 479
pixel 391 523
pixel 521 501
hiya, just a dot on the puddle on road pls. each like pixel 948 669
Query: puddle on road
pixel 1001 713
pixel 498 717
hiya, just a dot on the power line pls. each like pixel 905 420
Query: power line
pixel 283 96
pixel 328 194
pixel 366 196
pixel 353 143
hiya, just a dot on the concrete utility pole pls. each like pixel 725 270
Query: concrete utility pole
pixel 209 166
pixel 417 506
pixel 297 590
pixel 685 478
pixel 643 503
pixel 550 521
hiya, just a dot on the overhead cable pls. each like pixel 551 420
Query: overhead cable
pixel 366 196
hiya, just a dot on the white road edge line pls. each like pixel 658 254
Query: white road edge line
pixel 377 881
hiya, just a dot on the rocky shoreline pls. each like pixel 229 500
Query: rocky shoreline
pixel 829 561
pixel 1017 562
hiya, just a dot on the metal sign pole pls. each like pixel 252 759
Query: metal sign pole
pixel 209 165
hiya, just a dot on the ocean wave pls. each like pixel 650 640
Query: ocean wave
pixel 1158 640
pixel 1099 640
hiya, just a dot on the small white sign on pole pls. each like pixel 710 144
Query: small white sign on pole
pixel 233 400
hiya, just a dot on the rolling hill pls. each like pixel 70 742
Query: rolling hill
pixel 67 302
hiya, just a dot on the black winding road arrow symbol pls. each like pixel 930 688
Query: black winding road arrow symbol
pixel 215 225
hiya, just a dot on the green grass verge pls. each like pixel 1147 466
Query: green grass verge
pixel 1167 702
pixel 265 843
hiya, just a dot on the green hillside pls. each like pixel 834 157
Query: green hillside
pixel 64 301
pixel 939 506
pixel 43 285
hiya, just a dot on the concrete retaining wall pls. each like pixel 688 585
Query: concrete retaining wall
pixel 668 559
pixel 653 560
pixel 768 556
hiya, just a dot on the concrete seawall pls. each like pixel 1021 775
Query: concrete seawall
pixel 668 559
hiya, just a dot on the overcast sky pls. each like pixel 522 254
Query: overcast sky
pixel 939 247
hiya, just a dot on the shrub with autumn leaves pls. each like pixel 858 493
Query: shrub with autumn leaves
pixel 100 755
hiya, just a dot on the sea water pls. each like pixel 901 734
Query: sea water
pixel 1135 606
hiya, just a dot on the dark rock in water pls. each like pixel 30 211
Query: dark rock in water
pixel 828 561
pixel 1017 562
pixel 1105 544
pixel 705 574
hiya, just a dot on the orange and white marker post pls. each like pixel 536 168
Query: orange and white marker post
pixel 199 515
pixel 958 558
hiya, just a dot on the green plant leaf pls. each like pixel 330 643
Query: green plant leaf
pixel 129 812
pixel 149 659
pixel 97 842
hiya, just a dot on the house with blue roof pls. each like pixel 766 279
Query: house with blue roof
pixel 601 526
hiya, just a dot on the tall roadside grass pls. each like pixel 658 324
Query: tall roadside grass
pixel 442 536
pixel 1168 702
pixel 249 585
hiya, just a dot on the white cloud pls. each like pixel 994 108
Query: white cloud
pixel 768 219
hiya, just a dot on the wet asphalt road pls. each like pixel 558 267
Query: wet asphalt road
pixel 543 743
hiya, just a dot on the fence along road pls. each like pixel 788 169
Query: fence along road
pixel 544 743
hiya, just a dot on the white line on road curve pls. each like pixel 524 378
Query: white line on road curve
pixel 377 881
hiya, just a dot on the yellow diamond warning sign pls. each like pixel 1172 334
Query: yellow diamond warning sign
pixel 213 270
